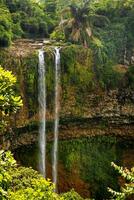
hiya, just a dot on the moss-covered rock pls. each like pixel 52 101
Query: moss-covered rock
pixel 25 68
pixel 81 96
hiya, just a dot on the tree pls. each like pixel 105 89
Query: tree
pixel 5 26
pixel 25 18
pixel 10 102
pixel 77 27
pixel 77 22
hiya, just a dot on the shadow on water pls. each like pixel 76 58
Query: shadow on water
pixel 84 164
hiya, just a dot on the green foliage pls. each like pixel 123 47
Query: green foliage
pixel 91 167
pixel 77 66
pixel 17 31
pixel 7 163
pixel 30 73
pixel 104 26
pixel 26 184
pixel 76 27
pixel 9 101
pixel 72 195
pixel 130 77
pixel 22 183
pixel 29 15
pixel 118 35
pixel 27 18
pixel 127 191
pixel 84 160
pixel 58 35
pixel 5 26
pixel 39 189
pixel 108 77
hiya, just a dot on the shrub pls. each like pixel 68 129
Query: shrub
pixel 57 35
pixel 72 195
pixel 25 183
pixel 9 101
pixel 128 190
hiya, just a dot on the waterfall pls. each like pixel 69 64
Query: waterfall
pixel 56 122
pixel 42 113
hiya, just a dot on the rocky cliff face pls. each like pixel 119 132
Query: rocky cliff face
pixel 87 109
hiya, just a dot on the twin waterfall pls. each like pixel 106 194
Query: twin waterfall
pixel 42 113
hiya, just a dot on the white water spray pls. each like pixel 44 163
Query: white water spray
pixel 42 113
pixel 56 122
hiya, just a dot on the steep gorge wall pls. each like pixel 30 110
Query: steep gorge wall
pixel 86 108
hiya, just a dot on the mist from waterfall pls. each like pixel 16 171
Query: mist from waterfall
pixel 56 122
pixel 42 113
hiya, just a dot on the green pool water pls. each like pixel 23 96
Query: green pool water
pixel 84 163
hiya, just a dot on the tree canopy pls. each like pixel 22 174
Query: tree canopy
pixel 10 102
pixel 25 183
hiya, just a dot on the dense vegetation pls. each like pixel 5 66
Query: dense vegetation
pixel 101 29
pixel 104 26
pixel 82 19
pixel 25 183
pixel 23 19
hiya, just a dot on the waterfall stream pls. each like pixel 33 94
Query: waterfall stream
pixel 42 113
pixel 56 122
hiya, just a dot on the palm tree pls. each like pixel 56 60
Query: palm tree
pixel 78 26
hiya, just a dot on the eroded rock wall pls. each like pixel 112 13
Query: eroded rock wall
pixel 87 109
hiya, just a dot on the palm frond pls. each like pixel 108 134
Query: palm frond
pixel 101 18
pixel 97 42
pixel 66 10
pixel 63 22
pixel 88 31
pixel 75 35
pixel 70 23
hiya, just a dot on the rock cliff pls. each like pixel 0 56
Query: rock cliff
pixel 87 107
